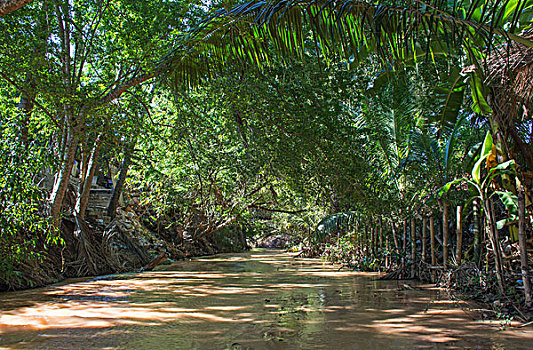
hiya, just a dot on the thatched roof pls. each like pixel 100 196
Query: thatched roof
pixel 508 71
pixel 510 66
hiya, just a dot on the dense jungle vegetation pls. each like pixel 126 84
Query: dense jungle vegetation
pixel 391 136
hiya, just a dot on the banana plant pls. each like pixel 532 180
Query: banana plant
pixel 484 190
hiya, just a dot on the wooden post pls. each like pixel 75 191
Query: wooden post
pixel 424 238
pixel 459 248
pixel 523 247
pixel 445 247
pixel 413 248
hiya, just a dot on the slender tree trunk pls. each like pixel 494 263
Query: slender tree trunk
pixel 85 188
pixel 424 238
pixel 477 233
pixel 370 237
pixel 494 240
pixel 84 166
pixel 395 236
pixel 445 233
pixel 374 232
pixel 380 232
pixel 433 241
pixel 523 247
pixel 388 254
pixel 357 233
pixel 117 190
pixel 413 248
pixel 459 248
pixel 25 106
pixel 62 180
pixel 365 240
pixel 404 243
pixel 375 240
pixel 433 245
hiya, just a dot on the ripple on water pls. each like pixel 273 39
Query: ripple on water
pixel 255 300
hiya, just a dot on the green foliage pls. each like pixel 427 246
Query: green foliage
pixel 25 230
pixel 333 223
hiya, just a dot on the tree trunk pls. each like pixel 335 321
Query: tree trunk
pixel 424 238
pixel 494 240
pixel 84 166
pixel 413 248
pixel 523 247
pixel 380 232
pixel 117 190
pixel 85 188
pixel 63 177
pixel 404 243
pixel 394 236
pixel 459 247
pixel 477 233
pixel 433 241
pixel 433 246
pixel 25 106
pixel 445 246
pixel 374 234
pixel 365 239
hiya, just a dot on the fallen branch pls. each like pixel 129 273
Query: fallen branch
pixel 152 264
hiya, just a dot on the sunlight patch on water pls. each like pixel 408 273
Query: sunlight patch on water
pixel 257 300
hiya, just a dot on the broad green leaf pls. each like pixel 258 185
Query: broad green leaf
pixel 444 189
pixel 487 145
pixel 485 151
pixel 480 104
pixel 510 201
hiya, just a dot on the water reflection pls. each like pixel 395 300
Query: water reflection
pixel 257 300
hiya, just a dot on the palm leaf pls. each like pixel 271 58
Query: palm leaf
pixel 346 29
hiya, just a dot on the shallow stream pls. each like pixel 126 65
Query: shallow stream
pixel 254 300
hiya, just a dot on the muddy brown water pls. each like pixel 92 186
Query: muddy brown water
pixel 255 300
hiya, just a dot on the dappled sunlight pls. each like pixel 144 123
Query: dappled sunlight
pixel 213 302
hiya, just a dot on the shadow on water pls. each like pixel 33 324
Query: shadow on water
pixel 255 300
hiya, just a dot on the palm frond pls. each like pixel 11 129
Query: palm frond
pixel 396 31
